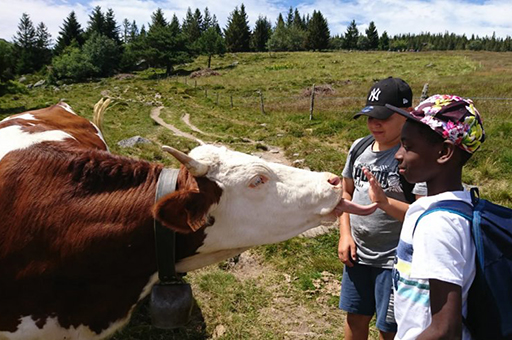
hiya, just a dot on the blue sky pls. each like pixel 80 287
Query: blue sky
pixel 479 17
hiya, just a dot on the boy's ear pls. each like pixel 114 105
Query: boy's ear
pixel 447 152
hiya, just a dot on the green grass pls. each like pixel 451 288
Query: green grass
pixel 285 293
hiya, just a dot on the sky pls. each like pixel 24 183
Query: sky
pixel 479 17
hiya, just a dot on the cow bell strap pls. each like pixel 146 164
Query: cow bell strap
pixel 165 240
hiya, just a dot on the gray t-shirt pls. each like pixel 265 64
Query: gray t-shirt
pixel 377 235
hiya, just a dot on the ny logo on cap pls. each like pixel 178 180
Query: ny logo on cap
pixel 374 95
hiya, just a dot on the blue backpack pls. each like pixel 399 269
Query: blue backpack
pixel 490 296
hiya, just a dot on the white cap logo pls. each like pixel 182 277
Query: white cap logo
pixel 374 95
pixel 405 101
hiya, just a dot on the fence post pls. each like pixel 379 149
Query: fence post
pixel 312 103
pixel 231 100
pixel 261 100
pixel 217 100
pixel 206 93
pixel 195 83
pixel 424 93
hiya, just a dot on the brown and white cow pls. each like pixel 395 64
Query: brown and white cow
pixel 76 223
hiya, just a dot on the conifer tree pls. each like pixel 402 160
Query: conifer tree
pixel 211 43
pixel 318 32
pixel 192 25
pixel 96 22
pixel 384 41
pixel 207 20
pixel 69 32
pixel 25 46
pixel 279 39
pixel 237 33
pixel 111 29
pixel 163 45
pixel 43 46
pixel 261 34
pixel 134 31
pixel 351 36
pixel 298 21
pixel 289 17
pixel 373 36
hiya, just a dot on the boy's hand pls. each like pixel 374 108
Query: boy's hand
pixel 347 250
pixel 375 191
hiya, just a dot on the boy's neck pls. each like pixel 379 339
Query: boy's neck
pixel 447 180
pixel 384 146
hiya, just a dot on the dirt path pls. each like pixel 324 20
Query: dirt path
pixel 274 154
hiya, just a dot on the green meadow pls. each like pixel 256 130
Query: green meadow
pixel 287 290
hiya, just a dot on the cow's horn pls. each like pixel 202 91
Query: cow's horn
pixel 197 169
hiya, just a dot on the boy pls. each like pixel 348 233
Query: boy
pixel 436 258
pixel 367 244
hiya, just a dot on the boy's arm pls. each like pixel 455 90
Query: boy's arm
pixel 446 309
pixel 346 244
pixel 391 206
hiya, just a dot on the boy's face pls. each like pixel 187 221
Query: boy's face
pixel 386 131
pixel 417 158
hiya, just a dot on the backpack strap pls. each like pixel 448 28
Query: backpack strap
pixel 457 207
pixel 359 148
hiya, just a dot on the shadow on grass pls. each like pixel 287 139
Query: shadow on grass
pixel 140 327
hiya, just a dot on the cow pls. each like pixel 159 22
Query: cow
pixel 77 248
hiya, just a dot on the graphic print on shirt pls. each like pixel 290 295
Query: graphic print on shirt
pixel 387 176
pixel 414 290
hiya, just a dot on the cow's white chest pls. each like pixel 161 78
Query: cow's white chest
pixel 28 330
pixel 13 138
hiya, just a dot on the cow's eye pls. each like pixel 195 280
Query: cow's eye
pixel 257 180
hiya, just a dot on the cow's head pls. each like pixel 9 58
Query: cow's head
pixel 257 202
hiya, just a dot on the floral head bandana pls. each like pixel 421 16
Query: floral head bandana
pixel 453 117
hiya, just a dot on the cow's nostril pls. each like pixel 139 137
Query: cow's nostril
pixel 335 180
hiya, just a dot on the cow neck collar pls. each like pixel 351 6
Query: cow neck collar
pixel 165 240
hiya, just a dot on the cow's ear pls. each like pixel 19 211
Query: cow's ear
pixel 183 211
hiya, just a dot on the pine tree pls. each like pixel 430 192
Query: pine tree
pixel 163 46
pixel 384 41
pixel 69 32
pixel 207 20
pixel 298 22
pixel 211 43
pixel 126 31
pixel 279 39
pixel 158 19
pixel 237 33
pixel 111 28
pixel 261 34
pixel 373 36
pixel 351 36
pixel 134 31
pixel 318 32
pixel 289 17
pixel 174 26
pixel 96 22
pixel 192 25
pixel 43 46
pixel 25 46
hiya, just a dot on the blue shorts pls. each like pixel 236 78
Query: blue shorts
pixel 368 290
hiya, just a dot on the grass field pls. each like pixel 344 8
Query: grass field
pixel 284 291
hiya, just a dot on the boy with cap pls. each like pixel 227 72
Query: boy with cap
pixel 367 244
pixel 435 263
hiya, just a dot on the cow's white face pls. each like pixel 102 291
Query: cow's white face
pixel 263 202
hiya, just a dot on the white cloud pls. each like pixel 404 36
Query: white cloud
pixel 394 16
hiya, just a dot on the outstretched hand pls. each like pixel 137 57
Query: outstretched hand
pixel 375 191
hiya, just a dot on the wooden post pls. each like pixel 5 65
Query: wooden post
pixel 312 103
pixel 231 100
pixel 217 100
pixel 261 100
pixel 186 81
pixel 195 83
pixel 424 93
pixel 206 93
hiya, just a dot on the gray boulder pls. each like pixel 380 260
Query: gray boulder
pixel 132 141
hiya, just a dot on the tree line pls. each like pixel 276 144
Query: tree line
pixel 104 47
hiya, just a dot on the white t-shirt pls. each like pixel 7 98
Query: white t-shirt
pixel 442 249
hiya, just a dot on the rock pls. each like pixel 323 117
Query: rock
pixel 131 142
pixel 22 79
pixel 40 83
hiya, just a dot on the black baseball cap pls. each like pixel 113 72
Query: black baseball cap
pixel 393 91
